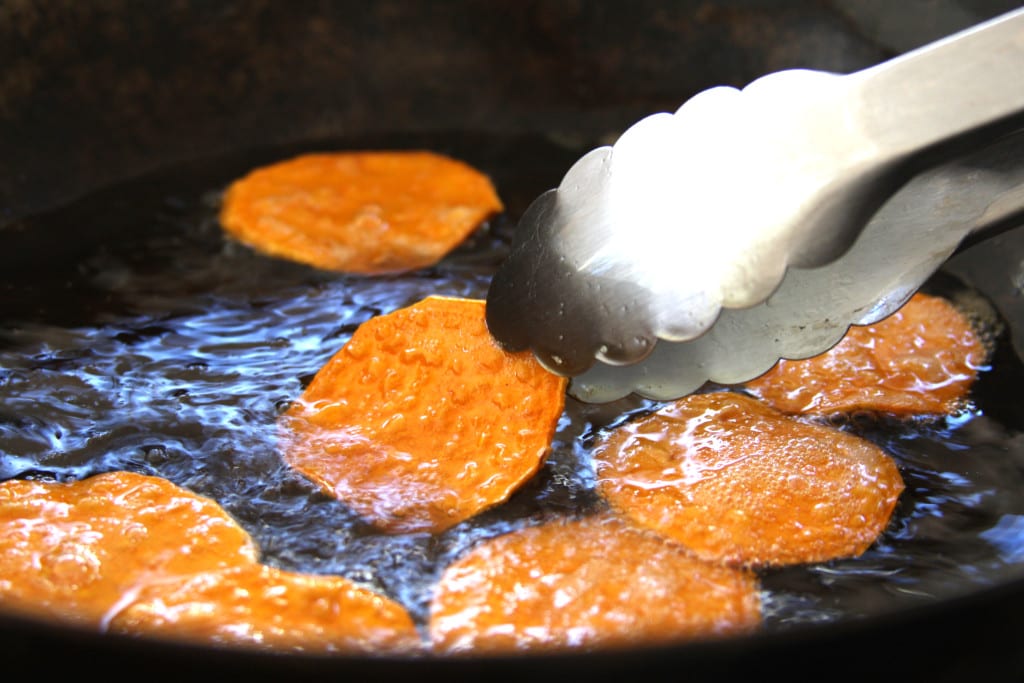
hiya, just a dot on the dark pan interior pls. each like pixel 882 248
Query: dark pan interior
pixel 107 94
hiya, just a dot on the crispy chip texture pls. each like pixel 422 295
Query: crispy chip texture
pixel 135 554
pixel 257 606
pixel 922 359
pixel 596 582
pixel 366 212
pixel 74 550
pixel 736 481
pixel 421 420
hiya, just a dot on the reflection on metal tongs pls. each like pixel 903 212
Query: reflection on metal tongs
pixel 758 224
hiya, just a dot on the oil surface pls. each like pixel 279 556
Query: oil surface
pixel 135 335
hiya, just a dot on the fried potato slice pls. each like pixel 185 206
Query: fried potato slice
pixel 73 550
pixel 738 482
pixel 363 212
pixel 129 553
pixel 595 582
pixel 923 359
pixel 421 420
pixel 258 606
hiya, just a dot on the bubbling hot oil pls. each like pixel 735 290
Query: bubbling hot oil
pixel 159 346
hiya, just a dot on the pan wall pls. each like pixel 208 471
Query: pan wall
pixel 96 92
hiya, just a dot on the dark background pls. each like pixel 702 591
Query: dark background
pixel 96 92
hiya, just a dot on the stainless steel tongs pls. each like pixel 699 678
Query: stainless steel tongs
pixel 759 224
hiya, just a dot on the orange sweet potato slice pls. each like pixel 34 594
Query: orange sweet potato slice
pixel 128 553
pixel 596 582
pixel 421 420
pixel 73 550
pixel 738 482
pixel 921 360
pixel 257 606
pixel 364 212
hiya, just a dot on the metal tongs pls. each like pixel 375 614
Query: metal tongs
pixel 759 224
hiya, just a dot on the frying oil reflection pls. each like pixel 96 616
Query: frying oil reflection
pixel 180 366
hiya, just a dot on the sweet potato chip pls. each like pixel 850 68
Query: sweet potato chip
pixel 369 212
pixel 737 481
pixel 421 420
pixel 74 550
pixel 922 359
pixel 135 554
pixel 266 608
pixel 582 584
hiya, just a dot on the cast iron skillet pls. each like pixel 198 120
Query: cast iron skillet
pixel 93 94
